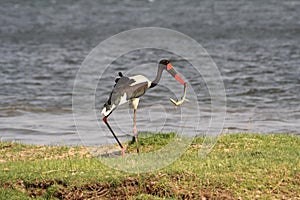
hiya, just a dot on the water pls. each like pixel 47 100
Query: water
pixel 255 44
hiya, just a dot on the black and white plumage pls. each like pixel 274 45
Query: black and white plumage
pixel 130 89
pixel 126 89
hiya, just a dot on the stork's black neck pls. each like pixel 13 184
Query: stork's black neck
pixel 158 75
pixel 153 85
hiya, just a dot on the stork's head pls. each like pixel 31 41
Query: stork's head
pixel 165 64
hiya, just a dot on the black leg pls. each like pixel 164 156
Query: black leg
pixel 105 121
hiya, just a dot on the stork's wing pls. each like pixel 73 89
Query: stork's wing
pixel 126 91
pixel 139 90
pixel 123 82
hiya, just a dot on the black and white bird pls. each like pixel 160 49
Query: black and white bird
pixel 130 89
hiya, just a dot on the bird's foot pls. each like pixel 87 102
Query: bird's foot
pixel 123 151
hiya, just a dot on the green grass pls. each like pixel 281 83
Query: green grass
pixel 247 166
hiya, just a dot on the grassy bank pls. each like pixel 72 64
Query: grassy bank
pixel 245 166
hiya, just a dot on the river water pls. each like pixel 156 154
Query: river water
pixel 255 44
